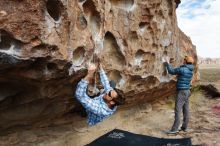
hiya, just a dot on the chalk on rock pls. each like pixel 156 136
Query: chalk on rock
pixel 3 13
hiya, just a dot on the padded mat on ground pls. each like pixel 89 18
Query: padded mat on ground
pixel 123 138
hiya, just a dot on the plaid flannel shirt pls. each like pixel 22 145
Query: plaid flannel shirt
pixel 96 108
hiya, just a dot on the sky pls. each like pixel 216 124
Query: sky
pixel 200 20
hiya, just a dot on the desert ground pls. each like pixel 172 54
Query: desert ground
pixel 147 118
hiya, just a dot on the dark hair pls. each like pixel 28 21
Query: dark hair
pixel 112 84
pixel 120 100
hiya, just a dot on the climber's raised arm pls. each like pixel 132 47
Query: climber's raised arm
pixel 104 79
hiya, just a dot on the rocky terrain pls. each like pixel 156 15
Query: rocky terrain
pixel 46 44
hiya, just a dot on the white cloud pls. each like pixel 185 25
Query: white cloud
pixel 200 19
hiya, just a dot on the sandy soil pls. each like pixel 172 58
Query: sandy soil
pixel 148 119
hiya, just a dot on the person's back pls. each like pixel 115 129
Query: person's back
pixel 184 76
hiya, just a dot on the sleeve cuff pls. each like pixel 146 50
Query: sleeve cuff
pixel 84 81
pixel 166 64
pixel 101 70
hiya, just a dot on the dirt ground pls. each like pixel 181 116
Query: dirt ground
pixel 148 119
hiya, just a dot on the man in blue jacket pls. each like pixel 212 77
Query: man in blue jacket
pixel 184 76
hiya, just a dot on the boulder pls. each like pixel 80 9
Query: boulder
pixel 46 44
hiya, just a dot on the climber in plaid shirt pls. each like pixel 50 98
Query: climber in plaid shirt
pixel 102 106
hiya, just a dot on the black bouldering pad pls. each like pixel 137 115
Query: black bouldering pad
pixel 123 138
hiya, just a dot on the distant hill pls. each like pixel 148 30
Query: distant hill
pixel 202 60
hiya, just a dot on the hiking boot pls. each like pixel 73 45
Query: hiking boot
pixel 172 131
pixel 184 129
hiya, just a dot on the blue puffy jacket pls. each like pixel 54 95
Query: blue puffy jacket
pixel 184 75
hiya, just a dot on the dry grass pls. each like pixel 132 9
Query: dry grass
pixel 209 81
pixel 207 66
pixel 209 74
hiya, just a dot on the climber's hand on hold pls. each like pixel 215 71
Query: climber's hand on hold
pixel 100 65
pixel 171 60
pixel 163 59
pixel 166 59
pixel 91 68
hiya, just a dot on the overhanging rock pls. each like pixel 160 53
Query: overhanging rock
pixel 42 43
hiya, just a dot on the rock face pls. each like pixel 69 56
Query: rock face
pixel 45 45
